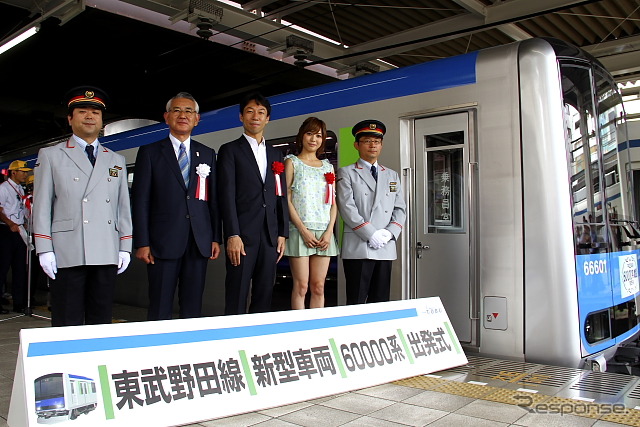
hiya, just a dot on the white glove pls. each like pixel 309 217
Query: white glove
pixel 376 241
pixel 49 264
pixel 124 258
pixel 386 235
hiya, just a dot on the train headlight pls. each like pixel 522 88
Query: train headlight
pixel 59 405
pixel 598 363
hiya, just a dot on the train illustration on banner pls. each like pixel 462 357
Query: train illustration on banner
pixel 522 208
pixel 64 396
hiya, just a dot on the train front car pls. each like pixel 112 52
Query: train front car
pixel 62 396
pixel 580 224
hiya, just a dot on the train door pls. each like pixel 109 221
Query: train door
pixel 443 239
pixel 73 396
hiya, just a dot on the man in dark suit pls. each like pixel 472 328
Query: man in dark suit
pixel 253 200
pixel 175 212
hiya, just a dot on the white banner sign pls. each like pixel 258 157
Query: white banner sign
pixel 175 372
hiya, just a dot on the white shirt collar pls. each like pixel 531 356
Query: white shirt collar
pixel 260 153
pixel 83 144
pixel 175 142
pixel 369 164
pixel 254 142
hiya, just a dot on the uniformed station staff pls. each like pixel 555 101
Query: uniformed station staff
pixel 81 216
pixel 13 249
pixel 371 204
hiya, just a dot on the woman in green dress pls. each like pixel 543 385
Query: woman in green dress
pixel 312 214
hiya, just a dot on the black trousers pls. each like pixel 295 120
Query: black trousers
pixel 187 273
pixel 368 280
pixel 13 254
pixel 83 295
pixel 256 274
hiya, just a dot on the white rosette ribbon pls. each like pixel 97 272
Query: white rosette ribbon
pixel 202 170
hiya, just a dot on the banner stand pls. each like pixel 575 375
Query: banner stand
pixel 178 372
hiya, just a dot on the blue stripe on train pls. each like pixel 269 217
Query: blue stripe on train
pixel 427 77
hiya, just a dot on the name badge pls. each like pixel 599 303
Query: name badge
pixel 113 172
pixel 393 186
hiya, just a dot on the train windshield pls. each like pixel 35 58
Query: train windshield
pixel 49 387
pixel 606 232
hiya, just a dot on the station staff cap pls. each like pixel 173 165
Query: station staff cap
pixel 86 96
pixel 369 127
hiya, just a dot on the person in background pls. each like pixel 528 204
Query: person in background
pixel 312 214
pixel 13 247
pixel 176 224
pixel 371 205
pixel 81 215
pixel 255 216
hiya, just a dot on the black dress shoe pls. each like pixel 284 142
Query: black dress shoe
pixel 4 311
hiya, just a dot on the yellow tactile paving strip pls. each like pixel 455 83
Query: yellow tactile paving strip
pixel 553 405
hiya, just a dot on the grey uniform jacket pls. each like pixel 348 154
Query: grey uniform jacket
pixel 81 213
pixel 366 206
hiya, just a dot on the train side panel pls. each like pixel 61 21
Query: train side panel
pixel 550 292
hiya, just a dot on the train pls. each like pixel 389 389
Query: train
pixel 517 171
pixel 64 396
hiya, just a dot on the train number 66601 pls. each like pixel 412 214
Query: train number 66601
pixel 595 267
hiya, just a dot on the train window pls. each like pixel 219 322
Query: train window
pixel 587 190
pixel 624 317
pixel 597 327
pixel 48 387
pixel 445 173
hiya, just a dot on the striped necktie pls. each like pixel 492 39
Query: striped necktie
pixel 183 162
pixel 374 172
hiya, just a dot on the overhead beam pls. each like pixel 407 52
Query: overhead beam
pixel 289 9
pixel 460 25
pixel 618 56
pixel 474 7
pixel 477 8
pixel 257 4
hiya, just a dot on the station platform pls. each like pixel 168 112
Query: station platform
pixel 485 392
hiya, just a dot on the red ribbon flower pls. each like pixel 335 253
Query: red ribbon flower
pixel 278 168
pixel 330 177
pixel 330 195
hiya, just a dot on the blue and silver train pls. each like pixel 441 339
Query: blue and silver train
pixel 64 395
pixel 517 171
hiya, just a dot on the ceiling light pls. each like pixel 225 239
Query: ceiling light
pixel 18 39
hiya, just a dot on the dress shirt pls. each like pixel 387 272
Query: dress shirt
pixel 260 153
pixel 369 165
pixel 12 201
pixel 176 146
pixel 83 144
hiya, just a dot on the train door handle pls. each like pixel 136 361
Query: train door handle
pixel 419 248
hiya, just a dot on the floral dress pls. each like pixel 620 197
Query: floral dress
pixel 308 193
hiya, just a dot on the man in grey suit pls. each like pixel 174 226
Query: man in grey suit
pixel 81 216
pixel 370 201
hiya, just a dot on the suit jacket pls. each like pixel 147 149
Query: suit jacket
pixel 164 209
pixel 367 205
pixel 245 200
pixel 81 213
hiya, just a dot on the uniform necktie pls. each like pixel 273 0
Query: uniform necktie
pixel 374 172
pixel 183 162
pixel 89 150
